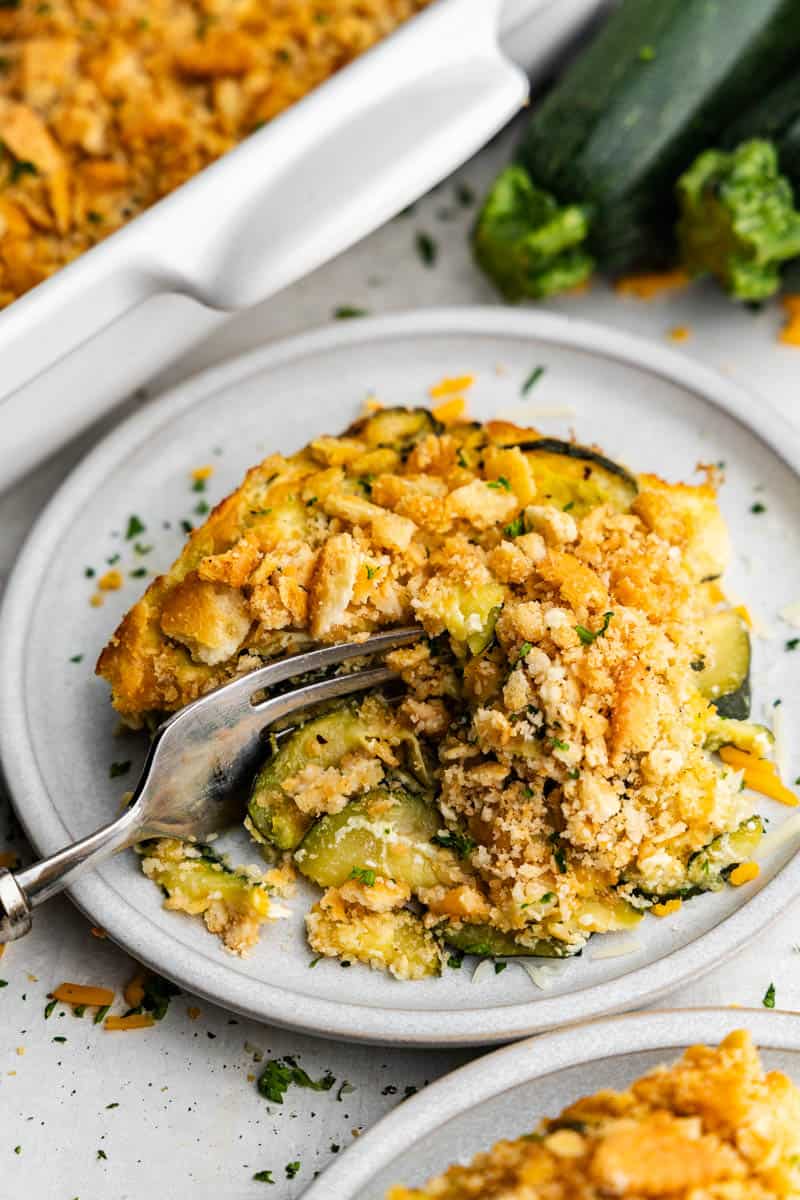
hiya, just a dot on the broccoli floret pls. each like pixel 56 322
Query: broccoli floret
pixel 527 243
pixel 737 219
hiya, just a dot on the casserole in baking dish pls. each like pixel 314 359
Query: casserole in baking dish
pixel 104 110
pixel 324 173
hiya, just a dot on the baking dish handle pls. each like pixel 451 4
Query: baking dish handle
pixel 356 155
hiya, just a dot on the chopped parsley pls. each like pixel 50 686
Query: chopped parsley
pixel 277 1076
pixel 532 379
pixel 119 768
pixel 646 53
pixel 135 527
pixel 102 1154
pixel 524 650
pixel 793 643
pixel 201 508
pixel 89 572
pixel 48 1009
pixel 588 636
pixel 199 485
pixel 769 997
pixel 263 1177
pixel 363 875
pixel 456 959
pixel 455 840
pixel 345 1089
pixel 3 983
pixel 314 961
pixel 502 482
pixel 516 527
pixel 699 664
pixel 76 658
pixel 465 195
pixel 187 526
pixel 59 1039
pixel 427 248
pixel 22 166
pixel 547 898
pixel 291 1169
pixel 499 966
pixel 17 1149
pixel 138 573
pixel 558 744
pixel 140 548
pixel 346 312
pixel 758 507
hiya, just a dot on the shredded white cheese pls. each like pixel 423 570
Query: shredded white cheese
pixel 791 614
pixel 616 949
pixel 781 755
pixel 542 977
pixel 485 967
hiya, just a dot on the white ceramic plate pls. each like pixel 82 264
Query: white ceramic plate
pixel 645 404
pixel 506 1093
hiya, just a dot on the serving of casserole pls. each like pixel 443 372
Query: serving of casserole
pixel 714 1124
pixel 569 749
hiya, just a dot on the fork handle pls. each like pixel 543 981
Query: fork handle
pixel 21 891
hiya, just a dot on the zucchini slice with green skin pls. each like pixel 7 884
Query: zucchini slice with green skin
pixel 484 941
pixel 273 815
pixel 745 735
pixel 396 428
pixel 724 676
pixel 708 869
pixel 193 880
pixel 389 832
pixel 578 478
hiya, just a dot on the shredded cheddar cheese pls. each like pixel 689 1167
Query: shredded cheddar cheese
pixel 450 411
pixel 134 1021
pixel 450 386
pixel 745 873
pixel 759 775
pixel 790 334
pixel 667 908
pixel 110 582
pixel 680 333
pixel 78 993
pixel 648 286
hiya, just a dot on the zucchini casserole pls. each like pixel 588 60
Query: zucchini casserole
pixel 105 108
pixel 714 1126
pixel 565 753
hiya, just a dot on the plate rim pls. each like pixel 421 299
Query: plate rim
pixel 461 1090
pixel 197 971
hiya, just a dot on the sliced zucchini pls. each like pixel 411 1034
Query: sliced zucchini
pixel 709 868
pixel 607 915
pixel 469 615
pixel 389 832
pixel 395 941
pixel 724 678
pixel 397 428
pixel 194 877
pixel 484 941
pixel 578 478
pixel 324 741
pixel 745 735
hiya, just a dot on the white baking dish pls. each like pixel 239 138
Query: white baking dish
pixel 316 179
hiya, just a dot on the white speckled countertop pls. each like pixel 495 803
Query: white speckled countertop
pixel 173 1112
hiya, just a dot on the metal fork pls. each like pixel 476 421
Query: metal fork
pixel 198 769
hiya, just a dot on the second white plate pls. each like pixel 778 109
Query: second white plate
pixel 504 1094
pixel 646 405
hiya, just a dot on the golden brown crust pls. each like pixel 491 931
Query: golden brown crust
pixel 714 1126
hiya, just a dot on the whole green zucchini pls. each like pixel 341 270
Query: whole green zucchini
pixel 657 85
